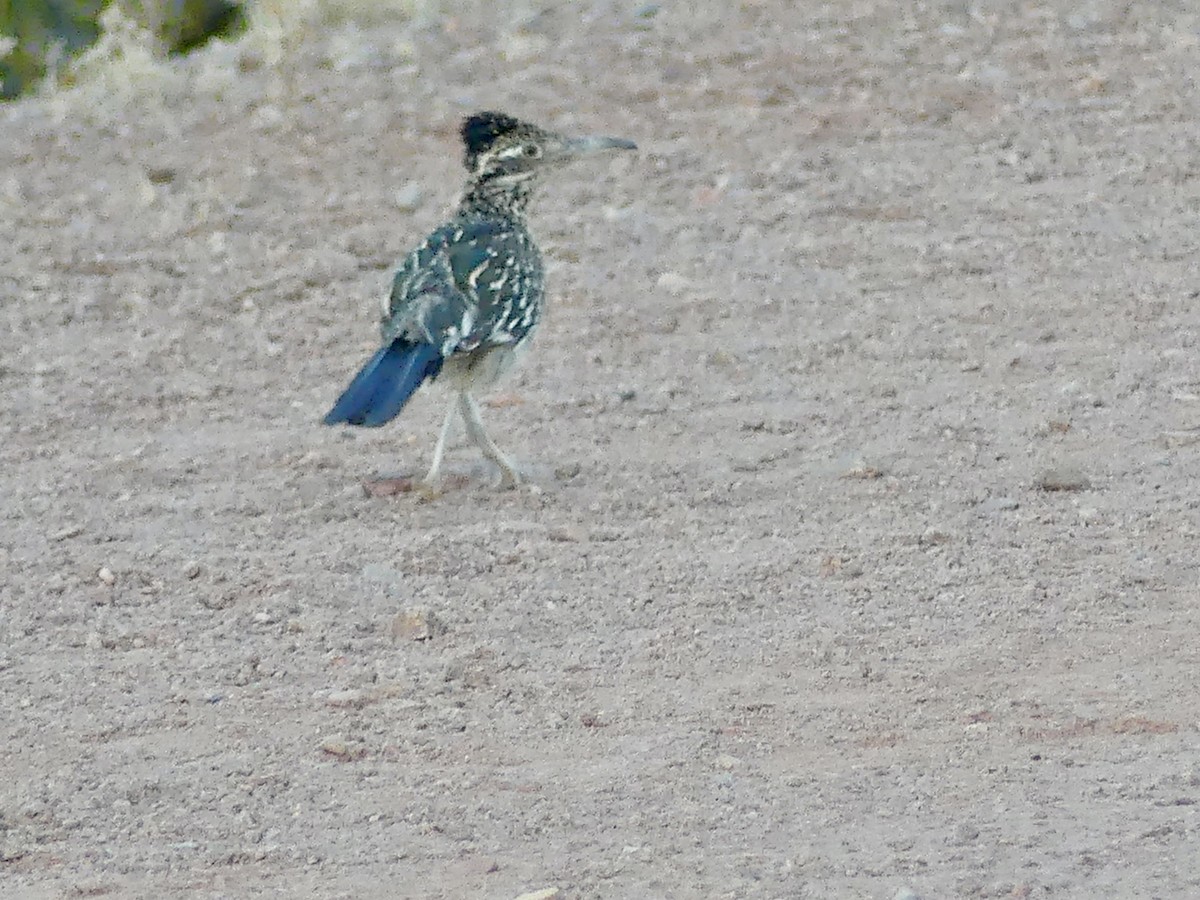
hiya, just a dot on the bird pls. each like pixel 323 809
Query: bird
pixel 465 303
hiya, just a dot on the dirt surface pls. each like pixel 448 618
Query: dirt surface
pixel 866 417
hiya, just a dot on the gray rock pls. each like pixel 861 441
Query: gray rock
pixel 409 197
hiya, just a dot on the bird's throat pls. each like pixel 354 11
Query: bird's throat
pixel 497 197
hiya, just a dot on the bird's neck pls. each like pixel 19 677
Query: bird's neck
pixel 496 198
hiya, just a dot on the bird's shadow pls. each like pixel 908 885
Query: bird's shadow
pixel 479 477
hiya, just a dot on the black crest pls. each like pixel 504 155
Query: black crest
pixel 481 130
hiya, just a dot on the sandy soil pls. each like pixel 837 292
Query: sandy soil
pixel 866 414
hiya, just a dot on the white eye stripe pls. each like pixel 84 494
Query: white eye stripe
pixel 533 151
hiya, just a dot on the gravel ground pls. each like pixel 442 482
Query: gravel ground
pixel 866 416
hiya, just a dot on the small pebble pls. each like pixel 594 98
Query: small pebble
pixel 408 198
pixel 223 600
pixel 720 359
pixel 417 623
pixel 550 893
pixel 106 575
pixel 862 471
pixel 1063 478
pixel 673 282
pixel 388 575
pixel 966 833
pixel 342 750
pixel 567 471
pixel 931 537
pixel 727 762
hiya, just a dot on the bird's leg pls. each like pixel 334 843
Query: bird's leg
pixel 509 476
pixel 428 484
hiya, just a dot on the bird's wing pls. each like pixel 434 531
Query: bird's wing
pixel 469 283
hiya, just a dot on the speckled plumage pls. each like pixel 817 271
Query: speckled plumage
pixel 473 284
pixel 467 300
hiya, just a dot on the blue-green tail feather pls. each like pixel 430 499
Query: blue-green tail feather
pixel 382 387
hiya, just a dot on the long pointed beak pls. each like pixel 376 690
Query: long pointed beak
pixel 583 146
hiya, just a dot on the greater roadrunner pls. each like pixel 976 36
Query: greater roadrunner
pixel 465 303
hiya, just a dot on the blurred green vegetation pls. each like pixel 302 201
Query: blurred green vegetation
pixel 41 35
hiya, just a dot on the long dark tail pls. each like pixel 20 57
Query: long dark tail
pixel 382 387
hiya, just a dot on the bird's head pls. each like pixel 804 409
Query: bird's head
pixel 507 151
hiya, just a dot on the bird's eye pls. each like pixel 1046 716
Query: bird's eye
pixel 533 151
